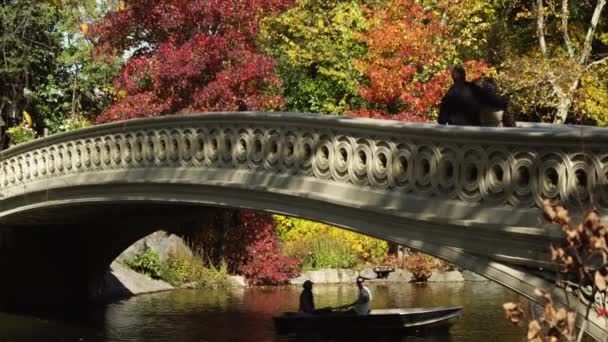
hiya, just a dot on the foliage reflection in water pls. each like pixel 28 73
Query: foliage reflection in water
pixel 237 315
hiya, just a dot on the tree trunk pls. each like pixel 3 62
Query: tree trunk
pixel 562 110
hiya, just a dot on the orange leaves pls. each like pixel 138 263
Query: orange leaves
pixel 409 55
pixel 513 312
pixel 583 253
pixel 406 47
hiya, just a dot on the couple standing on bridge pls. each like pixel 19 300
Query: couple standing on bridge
pixel 358 307
pixel 474 103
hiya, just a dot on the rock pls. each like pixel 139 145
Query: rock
pixel 347 276
pixel 121 281
pixel 298 280
pixel 137 248
pixel 446 276
pixel 472 276
pixel 237 281
pixel 368 273
pixel 326 276
pixel 189 285
pixel 160 242
pixel 400 276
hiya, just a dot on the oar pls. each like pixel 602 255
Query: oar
pixel 330 309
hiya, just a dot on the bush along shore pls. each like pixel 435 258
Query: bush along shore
pixel 163 261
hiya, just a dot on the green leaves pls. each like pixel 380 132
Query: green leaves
pixel 315 44
pixel 147 263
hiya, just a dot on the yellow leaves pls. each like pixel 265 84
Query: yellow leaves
pixel 592 96
pixel 293 229
pixel 28 118
pixel 84 27
pixel 525 15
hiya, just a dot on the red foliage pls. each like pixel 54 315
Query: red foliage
pixel 254 251
pixel 188 55
pixel 407 63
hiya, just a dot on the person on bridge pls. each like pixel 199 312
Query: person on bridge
pixel 361 305
pixel 307 303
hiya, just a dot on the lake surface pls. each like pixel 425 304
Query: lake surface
pixel 237 315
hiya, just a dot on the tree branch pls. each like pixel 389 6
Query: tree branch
pixel 591 32
pixel 599 61
pixel 540 26
pixel 565 16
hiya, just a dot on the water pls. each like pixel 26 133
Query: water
pixel 246 314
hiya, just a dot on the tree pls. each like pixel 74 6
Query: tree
pixel 199 55
pixel 80 87
pixel 315 44
pixel 555 55
pixel 30 45
pixel 469 24
pixel 410 52
pixel 188 56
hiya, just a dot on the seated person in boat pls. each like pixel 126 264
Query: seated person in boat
pixel 307 303
pixel 361 305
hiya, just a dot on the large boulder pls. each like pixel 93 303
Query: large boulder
pixel 347 276
pixel 446 276
pixel 162 243
pixel 326 276
pixel 400 276
pixel 121 281
pixel 368 273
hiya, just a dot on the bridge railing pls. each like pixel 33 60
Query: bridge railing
pixel 512 167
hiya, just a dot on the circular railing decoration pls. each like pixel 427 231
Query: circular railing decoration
pixel 476 173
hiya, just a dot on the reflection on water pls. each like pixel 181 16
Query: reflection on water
pixel 246 315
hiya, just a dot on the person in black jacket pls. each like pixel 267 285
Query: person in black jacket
pixel 307 303
pixel 465 102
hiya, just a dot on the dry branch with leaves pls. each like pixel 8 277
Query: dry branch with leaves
pixel 583 259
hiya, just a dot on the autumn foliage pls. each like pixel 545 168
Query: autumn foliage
pixel 408 62
pixel 199 55
pixel 256 253
pixel 195 55
pixel 583 256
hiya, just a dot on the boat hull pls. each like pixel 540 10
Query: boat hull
pixel 395 320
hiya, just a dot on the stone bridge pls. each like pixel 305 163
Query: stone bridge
pixel 71 202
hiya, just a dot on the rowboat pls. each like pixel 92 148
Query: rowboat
pixel 384 319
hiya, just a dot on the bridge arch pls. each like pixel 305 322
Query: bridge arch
pixel 467 195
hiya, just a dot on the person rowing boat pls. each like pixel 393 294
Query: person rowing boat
pixel 359 306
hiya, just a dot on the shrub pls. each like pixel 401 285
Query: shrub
pixel 248 245
pixel 21 134
pixel 421 266
pixel 180 269
pixel 364 248
pixel 322 251
pixel 263 263
pixel 582 255
pixel 147 263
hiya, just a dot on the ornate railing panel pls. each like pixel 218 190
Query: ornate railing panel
pixel 481 166
pixel 406 182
